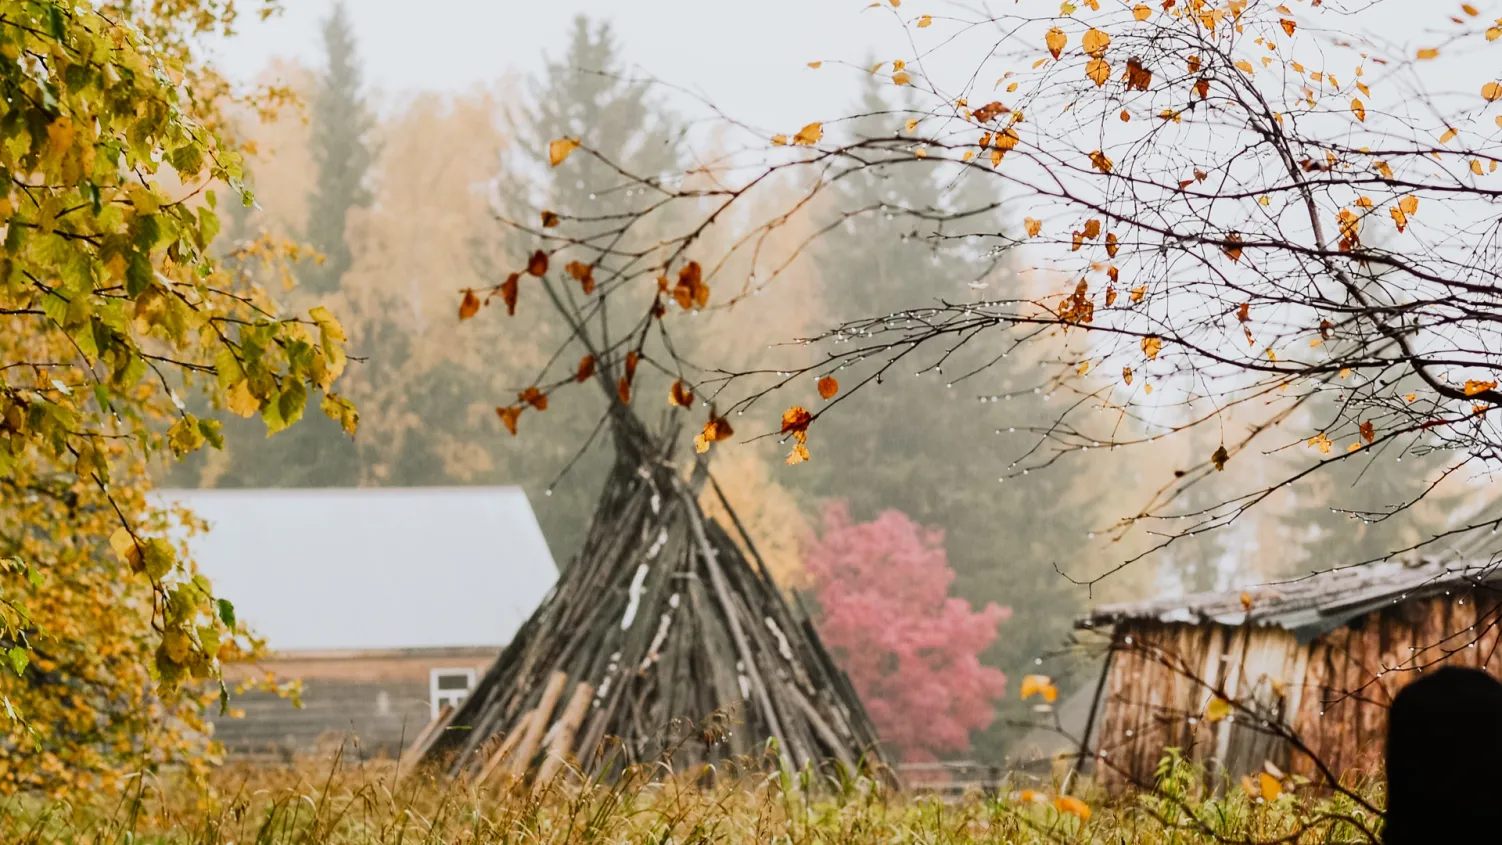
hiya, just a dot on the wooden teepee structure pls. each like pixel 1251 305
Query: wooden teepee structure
pixel 660 637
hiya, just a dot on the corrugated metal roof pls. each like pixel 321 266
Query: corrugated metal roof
pixel 373 567
pixel 1308 606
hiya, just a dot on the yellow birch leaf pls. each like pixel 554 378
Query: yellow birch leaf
pixel 559 149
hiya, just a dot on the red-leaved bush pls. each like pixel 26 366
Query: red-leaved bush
pixel 910 649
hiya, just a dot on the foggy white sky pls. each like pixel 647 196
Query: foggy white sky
pixel 751 58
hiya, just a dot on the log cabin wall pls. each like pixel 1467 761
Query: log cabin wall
pixel 1333 691
pixel 374 702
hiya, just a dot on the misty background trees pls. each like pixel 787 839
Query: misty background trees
pixel 399 196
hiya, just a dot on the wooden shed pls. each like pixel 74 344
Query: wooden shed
pixel 1308 668
pixel 387 604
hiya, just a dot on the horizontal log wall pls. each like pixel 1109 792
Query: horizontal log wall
pixel 1333 692
pixel 374 705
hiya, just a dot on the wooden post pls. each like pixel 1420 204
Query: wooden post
pixel 567 727
pixel 1084 762
pixel 533 734
pixel 506 745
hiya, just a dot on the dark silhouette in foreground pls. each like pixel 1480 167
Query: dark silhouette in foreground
pixel 1444 760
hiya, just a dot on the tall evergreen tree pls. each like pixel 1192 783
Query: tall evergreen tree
pixel 317 453
pixel 341 126
pixel 581 94
pixel 916 444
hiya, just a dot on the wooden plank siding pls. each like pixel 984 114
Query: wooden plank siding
pixel 1332 692
pixel 374 703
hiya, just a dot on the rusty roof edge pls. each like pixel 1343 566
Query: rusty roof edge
pixel 1347 593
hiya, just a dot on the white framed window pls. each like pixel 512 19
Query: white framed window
pixel 449 688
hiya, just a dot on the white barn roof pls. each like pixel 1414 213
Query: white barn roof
pixel 373 567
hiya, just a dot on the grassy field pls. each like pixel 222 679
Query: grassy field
pixel 364 804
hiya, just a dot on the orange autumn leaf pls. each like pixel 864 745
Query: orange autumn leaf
pixel 1139 293
pixel 1055 39
pixel 1491 92
pixel 1358 108
pixel 1126 375
pixel 691 292
pixel 1368 431
pixel 1474 386
pixel 509 417
pixel 828 387
pixel 584 274
pixel 1288 25
pixel 632 359
pixel 716 429
pixel 1033 226
pixel 537 265
pixel 1137 76
pixel 509 290
pixel 623 390
pixel 1141 12
pixel 795 421
pixel 1233 246
pixel 1095 43
pixel 534 397
pixel 1074 806
pixel 1098 70
pixel 925 21
pixel 798 455
pixel 469 306
pixel 1428 53
pixel 1151 346
pixel 680 396
pixel 810 134
pixel 586 368
pixel 559 149
pixel 1100 161
pixel 549 219
pixel 1040 685
pixel 1111 245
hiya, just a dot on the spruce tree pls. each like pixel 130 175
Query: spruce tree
pixel 340 127
pixel 581 94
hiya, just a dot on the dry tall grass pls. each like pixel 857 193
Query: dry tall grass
pixel 343 803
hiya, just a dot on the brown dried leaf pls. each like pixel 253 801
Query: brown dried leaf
pixel 509 291
pixel 828 387
pixel 534 397
pixel 470 305
pixel 586 368
pixel 584 273
pixel 509 417
pixel 537 265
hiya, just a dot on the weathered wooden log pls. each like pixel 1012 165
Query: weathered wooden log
pixel 567 727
